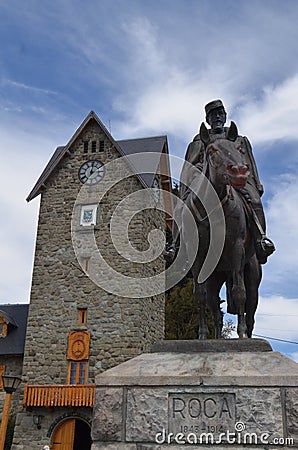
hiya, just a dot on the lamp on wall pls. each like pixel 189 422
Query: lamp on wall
pixel 10 385
pixel 37 420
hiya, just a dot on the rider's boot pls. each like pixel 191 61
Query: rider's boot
pixel 263 245
pixel 264 248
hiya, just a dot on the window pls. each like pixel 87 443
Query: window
pixel 85 146
pixel 86 264
pixel 101 146
pixel 93 146
pixel 82 372
pixel 77 372
pixel 82 319
pixel 78 353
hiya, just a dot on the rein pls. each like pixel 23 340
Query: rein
pixel 222 202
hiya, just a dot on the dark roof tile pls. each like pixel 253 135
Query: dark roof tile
pixel 125 147
pixel 14 342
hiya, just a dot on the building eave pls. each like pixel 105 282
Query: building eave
pixel 62 151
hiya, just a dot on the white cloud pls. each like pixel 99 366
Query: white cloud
pixel 161 74
pixel 277 317
pixel 163 93
pixel 175 104
pixel 274 115
pixel 294 356
pixel 282 218
pixel 24 155
pixel 29 88
pixel 164 96
pixel 276 321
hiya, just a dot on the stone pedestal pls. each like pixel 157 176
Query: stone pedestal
pixel 226 394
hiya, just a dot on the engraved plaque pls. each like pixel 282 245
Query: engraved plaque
pixel 201 413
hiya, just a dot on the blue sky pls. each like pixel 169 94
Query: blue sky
pixel 148 68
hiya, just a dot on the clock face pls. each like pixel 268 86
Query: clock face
pixel 91 172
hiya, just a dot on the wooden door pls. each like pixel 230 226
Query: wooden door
pixel 64 435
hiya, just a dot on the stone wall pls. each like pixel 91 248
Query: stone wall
pixel 34 438
pixel 13 366
pixel 120 327
pixel 229 400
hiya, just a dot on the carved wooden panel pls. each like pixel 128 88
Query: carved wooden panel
pixel 78 345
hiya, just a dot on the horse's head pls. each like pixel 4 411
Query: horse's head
pixel 224 158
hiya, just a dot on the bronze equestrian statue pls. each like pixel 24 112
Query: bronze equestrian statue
pixel 226 159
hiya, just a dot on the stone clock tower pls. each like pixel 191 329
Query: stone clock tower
pixel 79 324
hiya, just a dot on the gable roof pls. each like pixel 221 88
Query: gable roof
pixel 124 147
pixel 16 315
pixel 154 144
pixel 8 318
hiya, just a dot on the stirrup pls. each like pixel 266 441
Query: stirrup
pixel 264 248
pixel 267 245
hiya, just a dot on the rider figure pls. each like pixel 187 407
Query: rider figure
pixel 252 192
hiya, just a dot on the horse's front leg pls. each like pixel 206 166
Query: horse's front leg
pixel 213 286
pixel 253 275
pixel 200 296
pixel 238 289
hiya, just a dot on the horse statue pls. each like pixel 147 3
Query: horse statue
pixel 237 267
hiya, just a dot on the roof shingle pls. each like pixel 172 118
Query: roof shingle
pixel 14 342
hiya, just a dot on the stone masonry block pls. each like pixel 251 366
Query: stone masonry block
pixel 292 412
pixel 107 415
pixel 147 414
pixel 260 410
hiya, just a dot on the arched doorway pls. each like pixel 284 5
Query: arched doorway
pixel 72 434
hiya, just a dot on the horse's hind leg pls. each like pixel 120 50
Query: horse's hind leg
pixel 253 275
pixel 201 301
pixel 238 289
pixel 240 300
pixel 213 285
pixel 217 318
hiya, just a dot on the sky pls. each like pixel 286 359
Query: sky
pixel 148 68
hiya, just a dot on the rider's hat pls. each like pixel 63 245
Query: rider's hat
pixel 214 105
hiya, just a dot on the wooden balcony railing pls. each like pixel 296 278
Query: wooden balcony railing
pixel 59 395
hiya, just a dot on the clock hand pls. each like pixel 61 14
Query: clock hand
pixel 93 173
